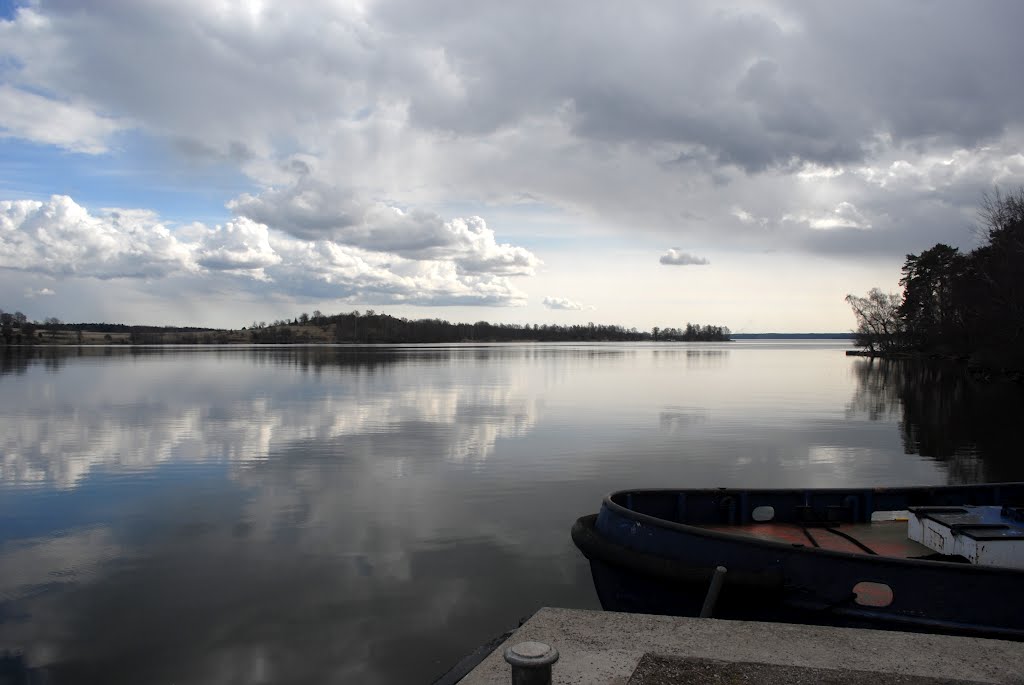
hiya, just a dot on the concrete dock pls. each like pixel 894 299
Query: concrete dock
pixel 633 649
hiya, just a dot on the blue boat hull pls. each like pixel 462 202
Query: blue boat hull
pixel 649 554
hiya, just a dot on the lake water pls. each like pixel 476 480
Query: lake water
pixel 371 514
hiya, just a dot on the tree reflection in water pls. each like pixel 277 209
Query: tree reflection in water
pixel 970 426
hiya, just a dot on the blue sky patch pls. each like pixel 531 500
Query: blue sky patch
pixel 7 8
pixel 139 174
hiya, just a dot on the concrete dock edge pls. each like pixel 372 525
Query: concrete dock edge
pixel 606 647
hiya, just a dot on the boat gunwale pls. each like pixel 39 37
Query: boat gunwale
pixel 691 529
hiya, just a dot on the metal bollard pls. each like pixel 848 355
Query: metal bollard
pixel 712 597
pixel 531 663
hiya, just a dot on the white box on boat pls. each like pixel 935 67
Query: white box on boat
pixel 987 536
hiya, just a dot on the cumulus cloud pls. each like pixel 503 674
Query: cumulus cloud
pixel 561 303
pixel 40 292
pixel 60 238
pixel 312 210
pixel 677 257
pixel 242 244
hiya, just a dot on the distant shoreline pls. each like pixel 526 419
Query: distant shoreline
pixel 221 338
pixel 365 328
pixel 354 327
pixel 792 336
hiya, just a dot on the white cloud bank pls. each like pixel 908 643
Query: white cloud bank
pixel 60 238
pixel 676 257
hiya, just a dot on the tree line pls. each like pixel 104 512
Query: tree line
pixel 17 329
pixel 954 303
pixel 351 327
pixel 373 327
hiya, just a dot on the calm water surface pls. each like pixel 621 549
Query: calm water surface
pixel 371 514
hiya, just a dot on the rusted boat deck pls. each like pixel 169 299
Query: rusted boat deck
pixel 886 538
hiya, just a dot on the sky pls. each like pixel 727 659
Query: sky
pixel 745 164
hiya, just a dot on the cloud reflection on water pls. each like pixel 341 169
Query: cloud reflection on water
pixel 337 537
pixel 307 514
pixel 63 427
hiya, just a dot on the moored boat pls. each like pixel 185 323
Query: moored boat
pixel 820 556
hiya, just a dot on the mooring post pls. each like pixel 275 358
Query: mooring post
pixel 716 586
pixel 531 663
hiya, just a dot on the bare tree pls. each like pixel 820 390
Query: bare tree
pixel 879 325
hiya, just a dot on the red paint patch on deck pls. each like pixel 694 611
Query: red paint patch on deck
pixel 886 538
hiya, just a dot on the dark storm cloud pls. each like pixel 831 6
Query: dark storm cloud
pixel 925 69
pixel 913 226
pixel 755 87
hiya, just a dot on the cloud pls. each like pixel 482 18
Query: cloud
pixel 562 303
pixel 242 245
pixel 766 87
pixel 677 257
pixel 312 210
pixel 758 89
pixel 617 118
pixel 743 215
pixel 45 120
pixel 845 215
pixel 40 292
pixel 60 238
